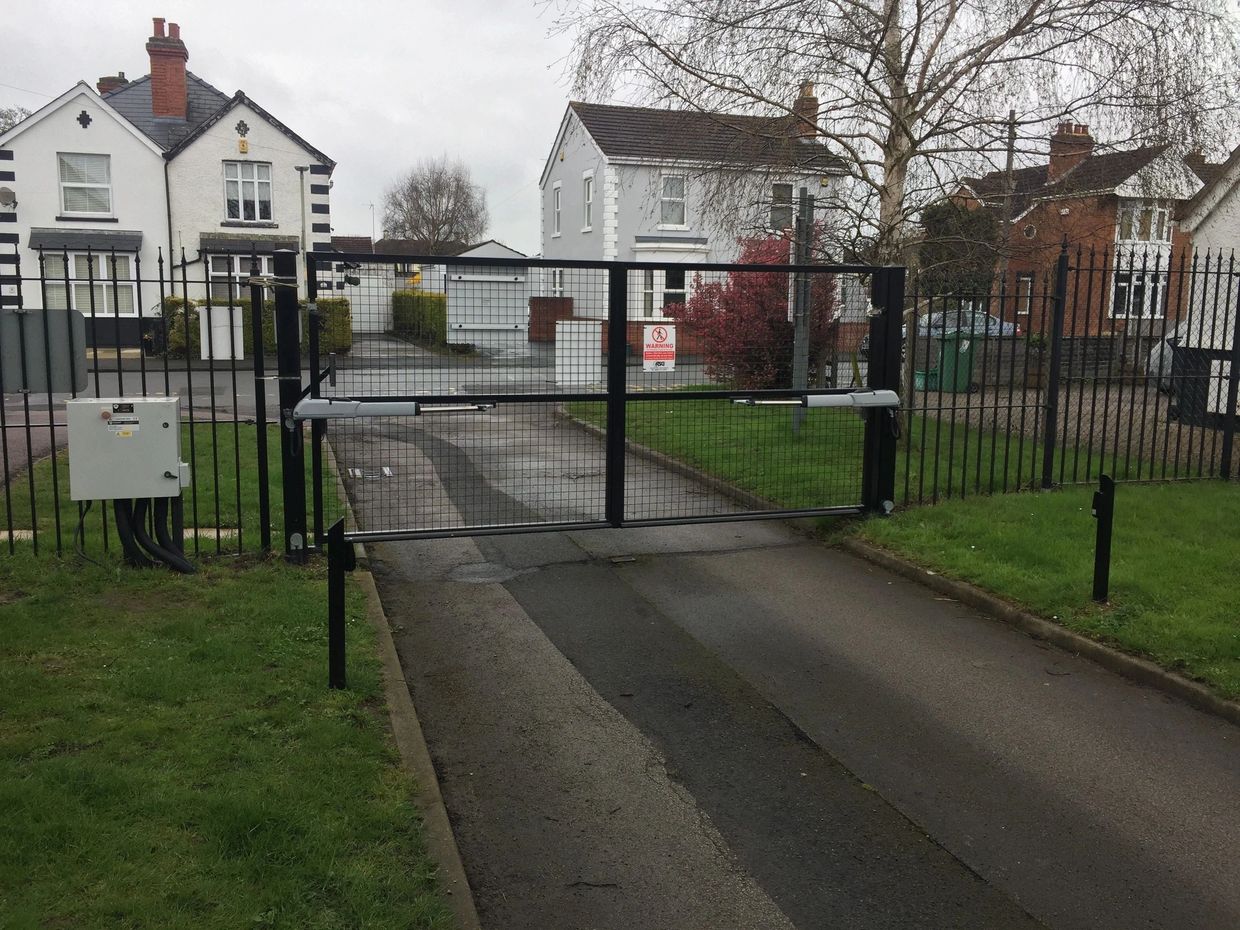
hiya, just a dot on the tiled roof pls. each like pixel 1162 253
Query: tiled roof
pixel 1097 173
pixel 133 101
pixel 418 247
pixel 352 244
pixel 690 135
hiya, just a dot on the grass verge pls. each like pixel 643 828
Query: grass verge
pixel 1172 576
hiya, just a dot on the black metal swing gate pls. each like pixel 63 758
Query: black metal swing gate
pixel 478 396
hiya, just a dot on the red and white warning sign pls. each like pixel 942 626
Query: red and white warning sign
pixel 659 348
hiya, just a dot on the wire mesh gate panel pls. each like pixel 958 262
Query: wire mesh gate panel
pixel 502 395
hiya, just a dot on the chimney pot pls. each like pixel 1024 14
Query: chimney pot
pixel 805 110
pixel 1070 145
pixel 168 57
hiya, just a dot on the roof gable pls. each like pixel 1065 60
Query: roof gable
pixel 626 133
pixel 232 103
pixel 80 89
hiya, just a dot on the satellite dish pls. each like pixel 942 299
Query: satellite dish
pixel 7 197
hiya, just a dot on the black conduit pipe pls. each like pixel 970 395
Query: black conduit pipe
pixel 171 559
pixel 124 529
pixel 176 558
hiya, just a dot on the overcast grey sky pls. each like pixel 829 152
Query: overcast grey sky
pixel 376 84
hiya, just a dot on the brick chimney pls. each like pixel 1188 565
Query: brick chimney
pixel 1071 144
pixel 168 57
pixel 806 110
pixel 111 82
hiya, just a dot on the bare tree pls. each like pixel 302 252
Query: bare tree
pixel 11 116
pixel 436 202
pixel 915 93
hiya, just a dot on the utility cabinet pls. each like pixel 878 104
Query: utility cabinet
pixel 125 447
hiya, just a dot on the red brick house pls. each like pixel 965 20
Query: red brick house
pixel 1118 206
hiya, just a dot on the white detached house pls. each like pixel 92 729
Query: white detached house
pixel 677 186
pixel 151 167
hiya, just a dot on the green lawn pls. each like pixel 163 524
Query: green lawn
pixel 1173 578
pixel 754 448
pixel 170 754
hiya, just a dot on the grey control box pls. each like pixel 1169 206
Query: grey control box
pixel 125 447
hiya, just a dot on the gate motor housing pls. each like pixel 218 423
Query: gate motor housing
pixel 128 450
pixel 125 447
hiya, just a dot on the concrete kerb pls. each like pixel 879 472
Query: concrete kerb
pixel 410 741
pixel 1135 669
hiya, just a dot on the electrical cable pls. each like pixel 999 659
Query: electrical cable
pixel 79 536
pixel 168 547
pixel 158 552
pixel 124 529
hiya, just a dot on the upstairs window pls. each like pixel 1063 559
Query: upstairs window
pixel 247 191
pixel 555 210
pixel 85 184
pixel 781 207
pixel 1144 221
pixel 672 201
pixel 587 201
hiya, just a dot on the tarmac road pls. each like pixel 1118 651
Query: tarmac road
pixel 728 725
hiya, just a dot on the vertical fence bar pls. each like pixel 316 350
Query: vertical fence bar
pixel 617 389
pixel 318 428
pixel 189 392
pixel 288 355
pixel 1233 384
pixel 4 423
pixel 51 410
pixel 260 407
pixel 1052 379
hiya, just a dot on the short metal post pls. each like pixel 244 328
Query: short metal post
pixel 617 388
pixel 339 560
pixel 288 354
pixel 1052 381
pixel 800 303
pixel 1104 513
pixel 314 323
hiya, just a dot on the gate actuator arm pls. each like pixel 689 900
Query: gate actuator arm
pixel 857 400
pixel 330 408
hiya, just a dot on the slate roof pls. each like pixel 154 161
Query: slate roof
pixel 133 101
pixel 690 135
pixel 352 244
pixel 1095 174
pixel 387 246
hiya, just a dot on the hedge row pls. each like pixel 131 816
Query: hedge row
pixel 420 316
pixel 336 336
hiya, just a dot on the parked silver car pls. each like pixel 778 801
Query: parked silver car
pixel 972 322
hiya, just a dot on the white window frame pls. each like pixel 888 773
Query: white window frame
pixel 99 278
pixel 253 167
pixel 587 201
pixel 1024 298
pixel 238 272
pixel 557 201
pixel 1153 286
pixel 557 282
pixel 665 200
pixel 92 185
pixel 648 307
pixel 1131 213
pixel 683 290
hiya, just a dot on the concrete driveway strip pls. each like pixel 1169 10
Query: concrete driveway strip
pixel 1092 801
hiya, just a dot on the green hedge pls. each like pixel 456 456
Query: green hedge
pixel 335 312
pixel 420 316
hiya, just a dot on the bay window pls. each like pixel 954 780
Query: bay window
pixel 91 283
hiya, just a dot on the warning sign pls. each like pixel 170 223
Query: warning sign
pixel 659 348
